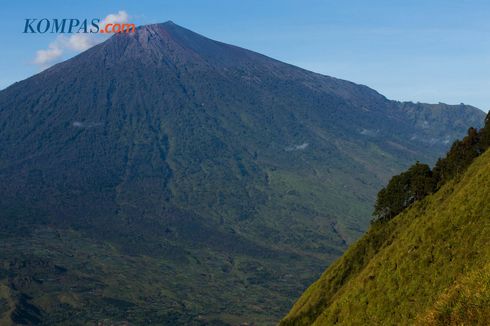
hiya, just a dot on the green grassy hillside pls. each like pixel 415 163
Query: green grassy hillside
pixel 428 265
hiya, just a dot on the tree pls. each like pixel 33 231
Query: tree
pixel 459 157
pixel 419 181
pixel 402 190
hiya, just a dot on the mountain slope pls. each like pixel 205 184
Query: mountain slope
pixel 183 180
pixel 428 266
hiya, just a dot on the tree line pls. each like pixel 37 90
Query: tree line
pixel 420 180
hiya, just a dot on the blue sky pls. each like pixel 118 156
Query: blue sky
pixel 428 51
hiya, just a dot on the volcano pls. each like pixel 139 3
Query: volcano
pixel 162 177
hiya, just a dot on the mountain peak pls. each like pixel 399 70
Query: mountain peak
pixel 160 32
pixel 178 45
pixel 168 25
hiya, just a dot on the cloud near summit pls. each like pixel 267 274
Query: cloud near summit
pixel 76 42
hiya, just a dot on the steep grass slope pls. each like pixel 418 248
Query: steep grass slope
pixel 429 265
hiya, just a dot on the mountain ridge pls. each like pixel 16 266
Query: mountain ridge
pixel 169 28
pixel 225 173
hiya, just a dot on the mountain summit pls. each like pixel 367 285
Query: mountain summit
pixel 165 178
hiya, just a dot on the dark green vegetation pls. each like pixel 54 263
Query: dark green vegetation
pixel 419 180
pixel 165 178
pixel 403 190
pixel 429 265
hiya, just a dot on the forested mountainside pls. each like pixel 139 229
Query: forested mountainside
pixel 165 178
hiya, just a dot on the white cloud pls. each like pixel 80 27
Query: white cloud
pixel 53 52
pixel 78 124
pixel 297 147
pixel 120 17
pixel 81 42
pixel 77 42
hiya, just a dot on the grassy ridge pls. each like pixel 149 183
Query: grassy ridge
pixel 429 264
